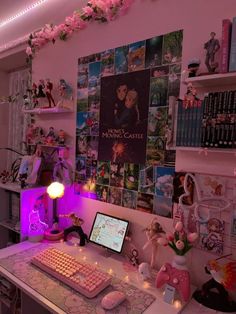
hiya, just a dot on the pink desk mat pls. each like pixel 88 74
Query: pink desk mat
pixel 68 299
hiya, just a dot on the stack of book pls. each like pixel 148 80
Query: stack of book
pixel 228 46
pixel 208 123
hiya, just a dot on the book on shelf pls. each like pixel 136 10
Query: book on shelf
pixel 225 45
pixel 232 59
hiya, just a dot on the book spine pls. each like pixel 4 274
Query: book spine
pixel 199 118
pixel 209 120
pixel 213 119
pixel 232 59
pixel 194 124
pixel 234 119
pixel 179 122
pixel 225 45
pixel 223 120
pixel 204 119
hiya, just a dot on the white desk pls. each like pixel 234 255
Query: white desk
pixel 91 254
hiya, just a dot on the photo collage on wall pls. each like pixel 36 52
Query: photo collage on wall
pixel 123 113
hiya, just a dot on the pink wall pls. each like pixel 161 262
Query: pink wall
pixel 144 20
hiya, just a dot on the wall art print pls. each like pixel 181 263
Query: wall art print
pixel 123 113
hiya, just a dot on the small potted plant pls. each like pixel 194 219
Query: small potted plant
pixel 180 242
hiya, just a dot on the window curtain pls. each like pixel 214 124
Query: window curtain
pixel 19 82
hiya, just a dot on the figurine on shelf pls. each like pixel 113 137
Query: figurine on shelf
pixel 65 94
pixel 51 137
pixel 41 88
pixel 63 171
pixel 76 227
pixel 211 46
pixel 214 292
pixel 61 137
pixel 49 87
pixel 153 232
pixel 35 95
pixel 190 97
pixel 193 67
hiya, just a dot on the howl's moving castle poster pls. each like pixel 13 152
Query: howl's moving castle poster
pixel 124 117
pixel 124 105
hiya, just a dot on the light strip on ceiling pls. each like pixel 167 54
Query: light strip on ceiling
pixel 23 12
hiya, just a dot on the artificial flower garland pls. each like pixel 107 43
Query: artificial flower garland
pixel 96 10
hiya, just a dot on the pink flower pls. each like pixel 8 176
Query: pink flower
pixel 28 51
pixel 179 226
pixel 88 11
pixel 192 237
pixel 170 236
pixel 179 244
pixel 162 241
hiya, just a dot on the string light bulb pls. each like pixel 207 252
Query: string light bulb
pixel 21 13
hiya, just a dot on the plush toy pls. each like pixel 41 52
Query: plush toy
pixel 144 271
pixel 153 232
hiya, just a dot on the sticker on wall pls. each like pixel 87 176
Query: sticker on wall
pixel 136 58
pixel 162 206
pixel 107 62
pixel 103 172
pixel 153 55
pixel 157 121
pixel 117 174
pixel 101 193
pixel 82 81
pixel 80 169
pixel 160 71
pixel 121 59
pixel 146 179
pixel 82 99
pixel 155 150
pixel 159 91
pixel 131 177
pixel 211 236
pixel 81 123
pixel 172 47
pixel 211 185
pixel 115 195
pixel 164 181
pixel 129 199
pixel 123 117
pixel 145 202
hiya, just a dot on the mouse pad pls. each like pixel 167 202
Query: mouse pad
pixel 137 301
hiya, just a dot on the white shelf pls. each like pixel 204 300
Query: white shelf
pixel 50 146
pixel 9 224
pixel 221 79
pixel 205 149
pixel 47 110
pixel 14 187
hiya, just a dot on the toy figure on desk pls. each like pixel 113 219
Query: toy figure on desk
pixel 214 292
pixel 76 227
pixel 153 233
pixel 211 46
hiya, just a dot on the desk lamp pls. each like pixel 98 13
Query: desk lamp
pixel 55 190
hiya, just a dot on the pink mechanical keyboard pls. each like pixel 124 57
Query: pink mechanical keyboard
pixel 83 277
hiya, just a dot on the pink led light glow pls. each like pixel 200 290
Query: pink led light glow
pixel 21 13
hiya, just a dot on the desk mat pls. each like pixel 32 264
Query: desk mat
pixel 65 297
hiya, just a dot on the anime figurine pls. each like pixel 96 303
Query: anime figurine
pixel 76 227
pixel 213 293
pixel 153 232
pixel 65 90
pixel 61 138
pixel 193 66
pixel 41 88
pixel 211 46
pixel 49 87
pixel 51 137
pixel 63 171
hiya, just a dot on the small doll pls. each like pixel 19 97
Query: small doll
pixel 61 138
pixel 49 87
pixel 153 232
pixel 76 227
pixel 50 137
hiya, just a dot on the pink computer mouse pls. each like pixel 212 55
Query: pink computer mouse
pixel 112 299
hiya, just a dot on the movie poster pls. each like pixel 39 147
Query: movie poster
pixel 124 117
